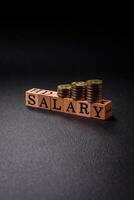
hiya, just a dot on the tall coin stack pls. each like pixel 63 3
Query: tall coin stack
pixel 64 90
pixel 94 90
pixel 79 90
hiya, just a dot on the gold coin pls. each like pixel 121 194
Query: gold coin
pixel 94 81
pixel 79 84
pixel 64 86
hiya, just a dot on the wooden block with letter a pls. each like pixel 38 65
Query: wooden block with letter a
pixel 31 97
pixel 84 108
pixel 44 99
pixel 57 103
pixel 102 110
pixel 70 106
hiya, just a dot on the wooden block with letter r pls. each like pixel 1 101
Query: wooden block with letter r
pixel 31 97
pixel 84 108
pixel 102 110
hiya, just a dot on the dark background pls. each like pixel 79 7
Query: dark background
pixel 66 44
pixel 48 155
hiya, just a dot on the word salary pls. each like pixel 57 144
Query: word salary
pixel 49 100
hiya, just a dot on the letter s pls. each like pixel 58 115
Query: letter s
pixel 31 100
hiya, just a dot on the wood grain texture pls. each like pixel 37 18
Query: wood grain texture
pixel 57 103
pixel 44 99
pixel 70 106
pixel 49 100
pixel 31 97
pixel 102 110
pixel 83 108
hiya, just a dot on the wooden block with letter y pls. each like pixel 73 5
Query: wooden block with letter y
pixel 102 110
pixel 31 97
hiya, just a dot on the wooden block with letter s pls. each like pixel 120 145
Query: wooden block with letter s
pixel 102 110
pixel 39 98
pixel 31 97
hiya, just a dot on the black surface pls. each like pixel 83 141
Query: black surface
pixel 46 155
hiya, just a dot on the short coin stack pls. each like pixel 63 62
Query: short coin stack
pixel 91 90
pixel 79 90
pixel 94 91
pixel 64 90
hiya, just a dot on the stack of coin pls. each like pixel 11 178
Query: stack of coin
pixel 94 90
pixel 79 90
pixel 64 90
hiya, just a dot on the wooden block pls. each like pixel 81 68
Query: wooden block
pixel 102 110
pixel 84 108
pixel 44 99
pixel 49 100
pixel 57 103
pixel 70 106
pixel 31 97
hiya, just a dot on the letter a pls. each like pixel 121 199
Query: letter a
pixel 43 102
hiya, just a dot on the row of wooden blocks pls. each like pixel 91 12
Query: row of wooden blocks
pixel 49 100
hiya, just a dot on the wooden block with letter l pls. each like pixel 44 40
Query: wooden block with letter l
pixel 70 106
pixel 57 103
pixel 31 97
pixel 44 99
pixel 102 110
pixel 84 108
